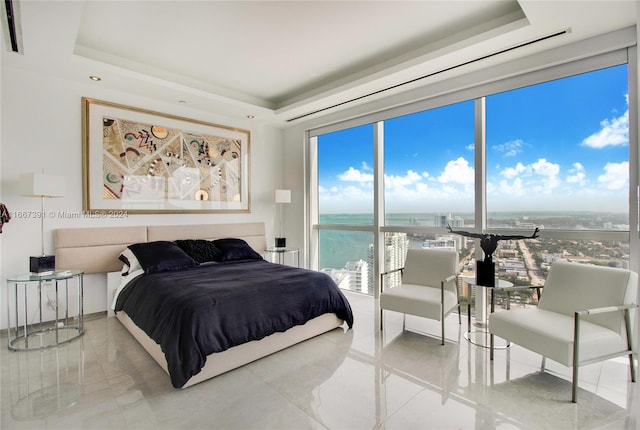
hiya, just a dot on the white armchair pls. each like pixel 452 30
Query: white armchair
pixel 582 317
pixel 429 286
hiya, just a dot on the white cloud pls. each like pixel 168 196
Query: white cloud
pixel 540 177
pixel 510 148
pixel 616 176
pixel 457 171
pixel 366 168
pixel 577 174
pixel 545 168
pixel 511 189
pixel 612 132
pixel 548 184
pixel 541 167
pixel 356 193
pixel 422 188
pixel 355 175
pixel 511 172
pixel 393 181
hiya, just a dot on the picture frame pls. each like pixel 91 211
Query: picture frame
pixel 141 161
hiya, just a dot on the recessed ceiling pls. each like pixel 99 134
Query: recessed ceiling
pixel 273 52
pixel 280 59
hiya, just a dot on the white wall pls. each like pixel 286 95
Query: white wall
pixel 41 129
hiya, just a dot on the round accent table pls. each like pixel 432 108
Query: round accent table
pixel 58 295
pixel 479 336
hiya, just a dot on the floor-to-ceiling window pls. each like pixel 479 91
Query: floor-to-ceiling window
pixel 553 154
pixel 558 154
pixel 345 201
pixel 428 180
pixel 428 168
pixel 558 159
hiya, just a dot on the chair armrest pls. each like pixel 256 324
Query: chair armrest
pixel 401 269
pixel 392 271
pixel 450 278
pixel 594 311
pixel 605 309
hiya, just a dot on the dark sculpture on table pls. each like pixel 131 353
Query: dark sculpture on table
pixel 485 270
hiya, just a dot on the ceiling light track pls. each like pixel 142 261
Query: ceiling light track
pixel 475 60
pixel 11 24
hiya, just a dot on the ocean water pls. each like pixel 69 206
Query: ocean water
pixel 337 247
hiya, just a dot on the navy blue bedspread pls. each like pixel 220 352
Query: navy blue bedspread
pixel 195 312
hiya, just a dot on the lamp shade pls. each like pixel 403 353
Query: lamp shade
pixel 41 185
pixel 283 196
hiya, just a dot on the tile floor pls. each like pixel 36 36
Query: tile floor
pixel 359 379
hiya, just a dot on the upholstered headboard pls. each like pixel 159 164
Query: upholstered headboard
pixel 96 250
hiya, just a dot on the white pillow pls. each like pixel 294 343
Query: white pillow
pixel 130 262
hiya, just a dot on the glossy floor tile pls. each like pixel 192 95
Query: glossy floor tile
pixel 356 379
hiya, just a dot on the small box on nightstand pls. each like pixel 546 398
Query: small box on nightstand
pixel 44 263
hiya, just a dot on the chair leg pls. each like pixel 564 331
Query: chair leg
pixel 491 346
pixel 404 322
pixel 381 321
pixel 442 314
pixel 574 385
pixel 543 364
pixel 632 364
pixel 576 358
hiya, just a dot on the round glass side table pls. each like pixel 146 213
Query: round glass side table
pixel 34 297
pixel 479 336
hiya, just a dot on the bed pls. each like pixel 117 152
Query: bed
pixel 198 352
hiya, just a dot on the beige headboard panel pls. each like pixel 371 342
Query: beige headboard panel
pixel 96 250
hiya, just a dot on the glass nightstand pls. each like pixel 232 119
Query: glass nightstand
pixel 52 291
pixel 283 255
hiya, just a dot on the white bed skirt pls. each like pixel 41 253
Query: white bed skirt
pixel 240 355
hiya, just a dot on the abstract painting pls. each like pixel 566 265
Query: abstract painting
pixel 148 162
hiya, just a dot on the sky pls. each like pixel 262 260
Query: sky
pixel 556 146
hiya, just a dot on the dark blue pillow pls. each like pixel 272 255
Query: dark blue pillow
pixel 161 256
pixel 236 249
pixel 200 250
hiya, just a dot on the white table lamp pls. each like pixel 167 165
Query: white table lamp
pixel 43 186
pixel 282 196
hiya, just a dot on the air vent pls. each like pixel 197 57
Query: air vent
pixel 475 60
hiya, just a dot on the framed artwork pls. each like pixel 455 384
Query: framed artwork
pixel 141 161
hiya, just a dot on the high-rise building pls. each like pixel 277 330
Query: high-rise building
pixel 395 252
pixel 359 276
pixel 354 276
pixel 448 241
pixel 444 220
